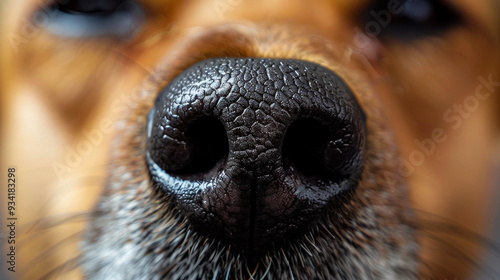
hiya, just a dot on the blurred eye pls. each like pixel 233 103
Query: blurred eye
pixel 92 18
pixel 90 6
pixel 409 19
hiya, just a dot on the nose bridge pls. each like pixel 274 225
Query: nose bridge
pixel 255 123
pixel 255 143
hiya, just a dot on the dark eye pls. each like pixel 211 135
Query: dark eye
pixel 409 19
pixel 92 18
pixel 89 6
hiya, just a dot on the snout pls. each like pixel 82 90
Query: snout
pixel 255 151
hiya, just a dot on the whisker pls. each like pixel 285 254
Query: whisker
pixel 38 260
pixel 47 223
pixel 456 230
pixel 439 230
pixel 460 255
pixel 68 265
pixel 434 270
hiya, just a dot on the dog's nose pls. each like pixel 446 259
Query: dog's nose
pixel 254 151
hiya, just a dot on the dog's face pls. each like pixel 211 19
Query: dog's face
pixel 258 139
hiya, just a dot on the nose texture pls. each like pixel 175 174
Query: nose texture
pixel 255 151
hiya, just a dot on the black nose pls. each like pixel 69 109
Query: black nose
pixel 254 151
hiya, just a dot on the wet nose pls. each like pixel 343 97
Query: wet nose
pixel 253 152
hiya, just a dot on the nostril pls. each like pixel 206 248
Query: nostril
pixel 304 148
pixel 207 141
pixel 203 148
pixel 320 151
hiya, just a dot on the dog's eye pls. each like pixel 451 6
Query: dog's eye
pixel 409 19
pixel 92 18
pixel 90 6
